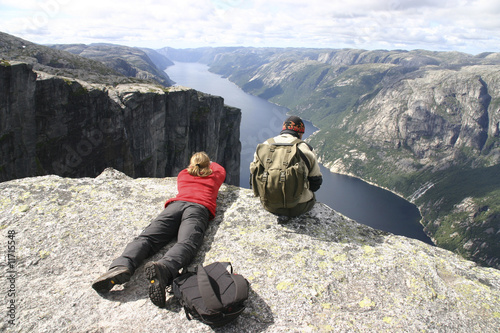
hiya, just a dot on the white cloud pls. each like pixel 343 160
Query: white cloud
pixel 465 25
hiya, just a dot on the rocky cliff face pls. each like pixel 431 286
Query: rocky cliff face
pixel 429 121
pixel 17 125
pixel 437 113
pixel 56 125
pixel 319 272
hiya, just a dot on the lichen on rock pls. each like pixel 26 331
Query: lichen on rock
pixel 318 272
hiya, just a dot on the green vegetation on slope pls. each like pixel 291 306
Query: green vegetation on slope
pixel 462 210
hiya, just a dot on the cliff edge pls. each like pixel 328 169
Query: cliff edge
pixel 72 128
pixel 317 273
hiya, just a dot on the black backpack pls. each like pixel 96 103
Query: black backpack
pixel 211 294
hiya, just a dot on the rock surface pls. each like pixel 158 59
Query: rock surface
pixel 316 273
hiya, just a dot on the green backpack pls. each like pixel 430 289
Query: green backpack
pixel 279 174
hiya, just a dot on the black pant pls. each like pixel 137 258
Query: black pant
pixel 185 220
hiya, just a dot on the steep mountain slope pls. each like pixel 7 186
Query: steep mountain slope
pixel 58 62
pixel 129 61
pixel 103 63
pixel 423 124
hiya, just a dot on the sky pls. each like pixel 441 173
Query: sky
pixel 470 26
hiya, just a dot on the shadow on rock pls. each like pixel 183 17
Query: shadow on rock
pixel 257 316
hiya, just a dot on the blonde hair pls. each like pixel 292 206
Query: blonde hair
pixel 199 165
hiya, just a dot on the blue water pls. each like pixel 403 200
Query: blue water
pixel 367 204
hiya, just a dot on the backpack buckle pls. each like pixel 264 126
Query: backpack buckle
pixel 282 176
pixel 264 176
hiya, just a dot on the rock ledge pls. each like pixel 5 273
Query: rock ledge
pixel 318 273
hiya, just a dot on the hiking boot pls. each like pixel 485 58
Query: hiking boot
pixel 116 275
pixel 159 278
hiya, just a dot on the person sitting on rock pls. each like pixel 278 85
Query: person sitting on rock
pixel 186 217
pixel 292 131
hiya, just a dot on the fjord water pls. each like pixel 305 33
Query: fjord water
pixel 367 204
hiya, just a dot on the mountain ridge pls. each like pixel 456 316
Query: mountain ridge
pixel 127 65
pixel 129 61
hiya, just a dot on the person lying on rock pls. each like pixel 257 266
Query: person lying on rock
pixel 186 217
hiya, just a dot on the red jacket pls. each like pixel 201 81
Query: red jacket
pixel 201 190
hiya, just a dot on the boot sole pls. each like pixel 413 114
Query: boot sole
pixel 106 283
pixel 156 288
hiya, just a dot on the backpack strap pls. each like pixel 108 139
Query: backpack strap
pixel 304 158
pixel 301 153
pixel 241 287
pixel 207 291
